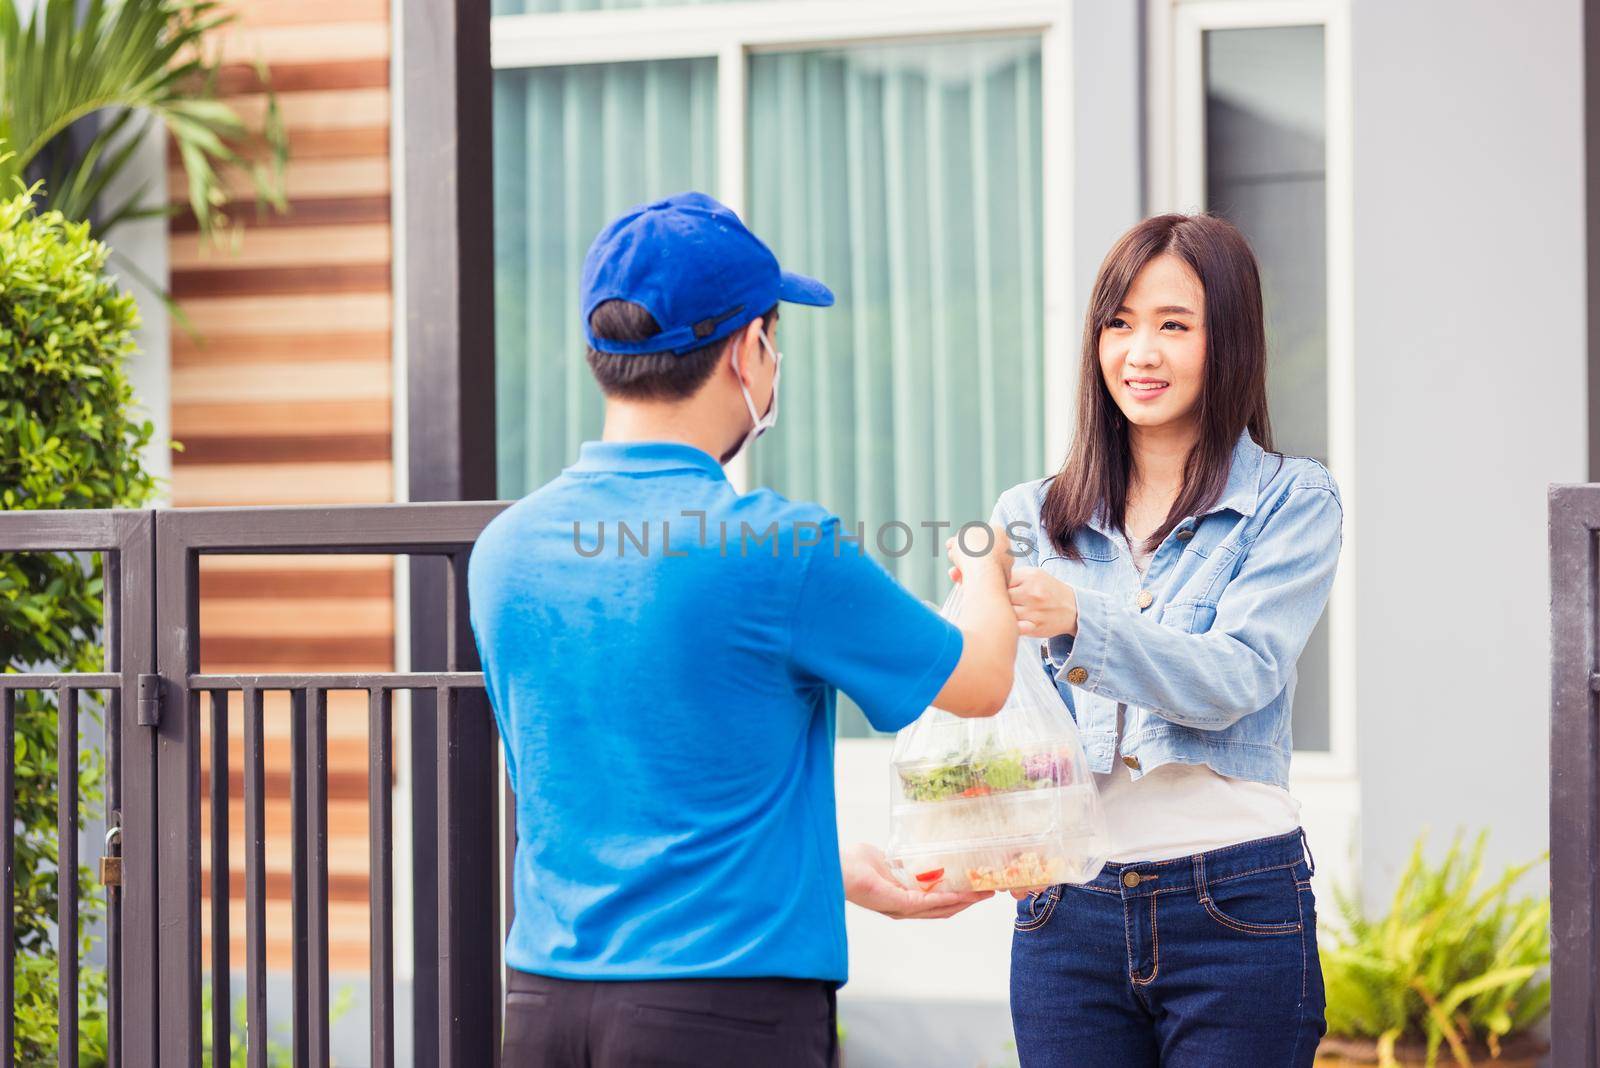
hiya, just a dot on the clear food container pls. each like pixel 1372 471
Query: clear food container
pixel 1004 802
pixel 1005 821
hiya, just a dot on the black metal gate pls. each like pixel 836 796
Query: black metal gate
pixel 154 930
pixel 1574 773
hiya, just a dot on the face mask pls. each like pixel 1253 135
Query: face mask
pixel 762 423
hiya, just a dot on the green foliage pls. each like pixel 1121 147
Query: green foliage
pixel 36 1012
pixel 1450 965
pixel 279 1055
pixel 136 61
pixel 67 440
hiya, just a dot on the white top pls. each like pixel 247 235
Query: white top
pixel 1178 810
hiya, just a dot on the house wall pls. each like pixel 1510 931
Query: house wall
pixel 281 394
pixel 1471 398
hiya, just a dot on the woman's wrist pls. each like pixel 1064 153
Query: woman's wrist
pixel 1069 611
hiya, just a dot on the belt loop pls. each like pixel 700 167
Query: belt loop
pixel 1305 844
pixel 1201 890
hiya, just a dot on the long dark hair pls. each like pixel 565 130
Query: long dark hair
pixel 1233 391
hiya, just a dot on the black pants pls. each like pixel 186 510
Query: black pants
pixel 704 1023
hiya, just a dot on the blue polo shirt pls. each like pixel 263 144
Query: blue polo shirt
pixel 663 656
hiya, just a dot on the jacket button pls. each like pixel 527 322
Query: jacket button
pixel 1078 676
pixel 1132 762
pixel 1185 535
pixel 1130 879
pixel 1146 599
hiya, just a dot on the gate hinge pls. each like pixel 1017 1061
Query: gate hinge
pixel 149 701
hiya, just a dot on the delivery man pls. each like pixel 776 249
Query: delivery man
pixel 663 655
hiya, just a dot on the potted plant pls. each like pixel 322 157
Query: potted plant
pixel 1452 973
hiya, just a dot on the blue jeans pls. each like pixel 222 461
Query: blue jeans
pixel 1207 960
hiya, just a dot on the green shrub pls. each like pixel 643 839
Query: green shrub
pixel 67 440
pixel 1449 965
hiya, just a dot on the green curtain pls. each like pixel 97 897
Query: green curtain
pixel 908 178
pixel 574 146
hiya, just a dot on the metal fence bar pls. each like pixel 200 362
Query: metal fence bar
pixel 134 1000
pixel 316 828
pixel 67 878
pixel 8 868
pixel 114 573
pixel 221 937
pixel 178 800
pixel 300 906
pixel 508 853
pixel 449 1012
pixel 378 529
pixel 69 680
pixel 1574 776
pixel 380 802
pixel 255 882
pixel 113 743
pixel 396 680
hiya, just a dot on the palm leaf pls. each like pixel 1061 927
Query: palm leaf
pixel 126 58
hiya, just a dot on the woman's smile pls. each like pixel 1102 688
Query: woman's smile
pixel 1146 389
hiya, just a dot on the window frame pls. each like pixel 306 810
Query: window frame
pixel 731 32
pixel 1177 182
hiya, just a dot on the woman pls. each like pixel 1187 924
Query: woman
pixel 1179 566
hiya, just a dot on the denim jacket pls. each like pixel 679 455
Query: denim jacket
pixel 1202 648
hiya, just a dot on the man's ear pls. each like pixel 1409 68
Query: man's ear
pixel 745 349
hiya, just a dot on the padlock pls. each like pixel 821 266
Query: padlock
pixel 110 871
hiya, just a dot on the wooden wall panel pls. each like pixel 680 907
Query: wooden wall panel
pixel 282 393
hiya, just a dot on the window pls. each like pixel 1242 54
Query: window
pixel 572 147
pixel 908 178
pixel 902 151
pixel 1258 134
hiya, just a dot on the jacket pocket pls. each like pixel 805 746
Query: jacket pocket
pixel 1191 617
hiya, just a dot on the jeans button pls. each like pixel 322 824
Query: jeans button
pixel 1130 879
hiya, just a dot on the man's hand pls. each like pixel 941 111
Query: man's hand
pixel 1045 606
pixel 999 552
pixel 868 882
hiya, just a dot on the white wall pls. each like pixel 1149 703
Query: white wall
pixel 1471 398
pixel 144 243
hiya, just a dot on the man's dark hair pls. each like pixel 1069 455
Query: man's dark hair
pixel 652 375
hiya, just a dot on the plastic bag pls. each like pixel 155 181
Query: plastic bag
pixel 997 803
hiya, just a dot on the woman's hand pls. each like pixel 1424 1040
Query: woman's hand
pixel 1045 606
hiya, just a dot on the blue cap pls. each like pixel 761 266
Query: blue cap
pixel 693 264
